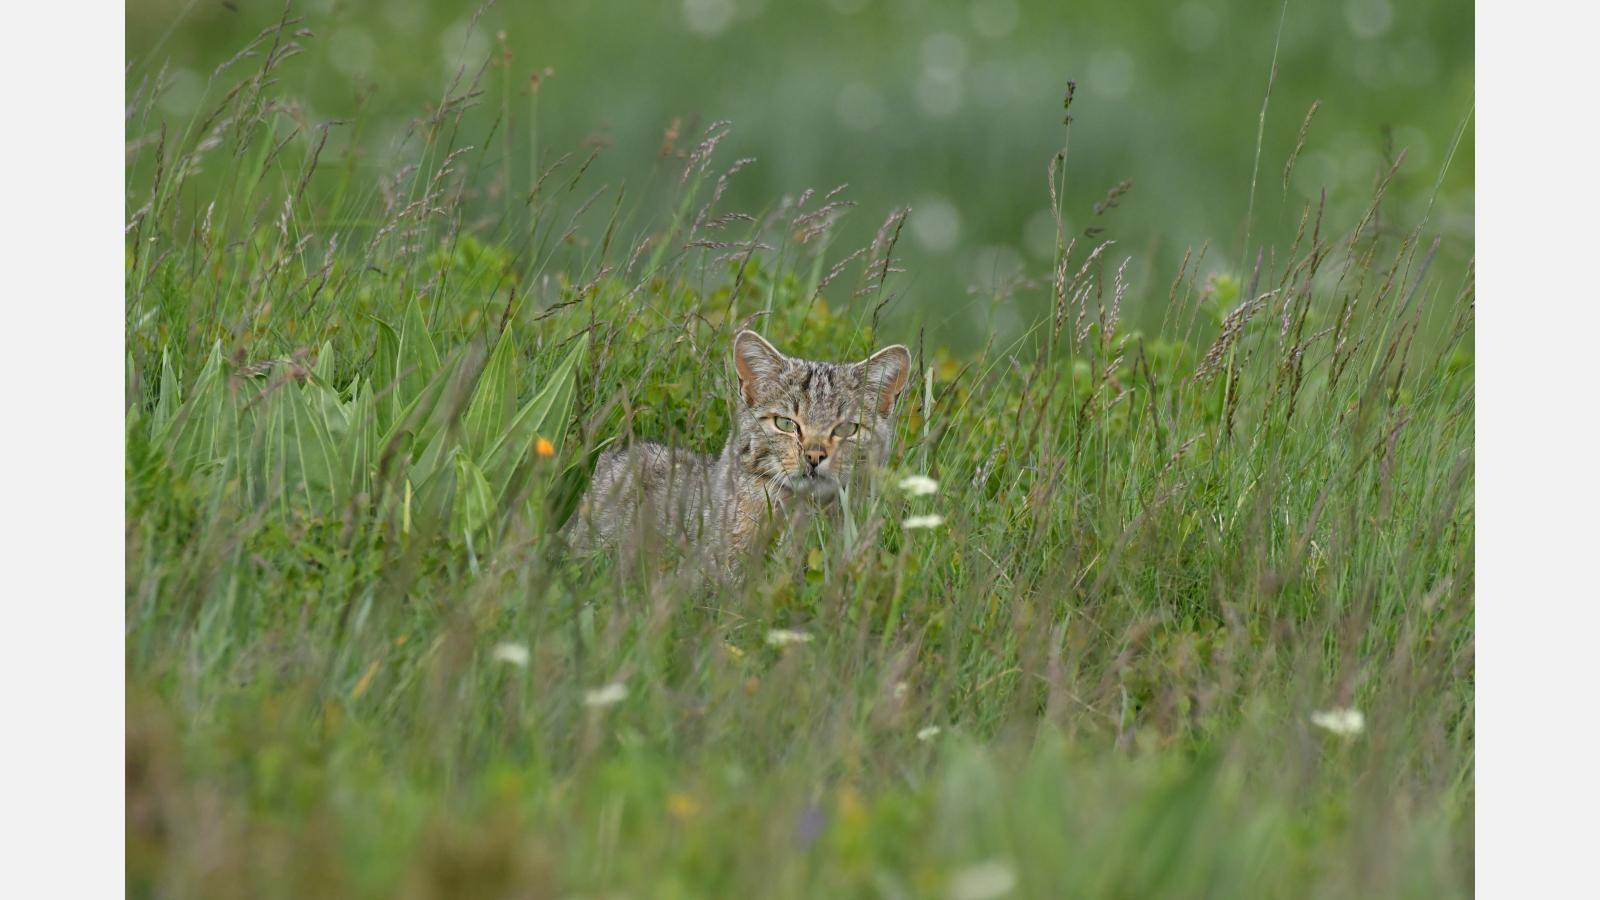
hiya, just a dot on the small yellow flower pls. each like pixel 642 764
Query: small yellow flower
pixel 681 806
pixel 544 448
pixel 849 805
pixel 364 683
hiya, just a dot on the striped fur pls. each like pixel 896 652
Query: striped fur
pixel 801 428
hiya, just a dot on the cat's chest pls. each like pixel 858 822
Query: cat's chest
pixel 768 513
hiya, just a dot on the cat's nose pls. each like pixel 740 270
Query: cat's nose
pixel 815 456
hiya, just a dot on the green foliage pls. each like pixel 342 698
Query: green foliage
pixel 1159 604
pixel 354 641
pixel 301 447
pixel 951 106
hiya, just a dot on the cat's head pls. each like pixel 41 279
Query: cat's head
pixel 806 425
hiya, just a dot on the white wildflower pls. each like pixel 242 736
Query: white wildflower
pixel 929 733
pixel 984 881
pixel 1343 722
pixel 783 637
pixel 609 695
pixel 515 654
pixel 928 521
pixel 919 485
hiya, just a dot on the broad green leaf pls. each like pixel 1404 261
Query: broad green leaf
pixel 384 372
pixel 406 364
pixel 431 503
pixel 269 476
pixel 566 491
pixel 328 403
pixel 323 370
pixel 417 362
pixel 197 432
pixel 544 416
pixel 357 441
pixel 315 460
pixel 421 423
pixel 167 398
pixel 432 458
pixel 475 502
pixel 494 399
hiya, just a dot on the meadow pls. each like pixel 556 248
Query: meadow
pixel 1169 546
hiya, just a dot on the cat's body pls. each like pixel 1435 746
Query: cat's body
pixel 801 428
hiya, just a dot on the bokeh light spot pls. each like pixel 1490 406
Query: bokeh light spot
pixel 1368 18
pixel 994 18
pixel 708 18
pixel 1110 72
pixel 1194 26
pixel 935 223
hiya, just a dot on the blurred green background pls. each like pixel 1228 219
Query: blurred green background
pixel 953 109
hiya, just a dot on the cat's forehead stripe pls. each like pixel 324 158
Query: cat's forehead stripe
pixel 815 390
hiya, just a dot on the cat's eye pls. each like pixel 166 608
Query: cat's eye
pixel 787 426
pixel 846 429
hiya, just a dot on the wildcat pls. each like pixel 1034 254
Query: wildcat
pixel 800 429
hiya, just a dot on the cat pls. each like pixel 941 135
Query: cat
pixel 800 429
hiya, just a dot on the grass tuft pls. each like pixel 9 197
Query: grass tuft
pixel 358 664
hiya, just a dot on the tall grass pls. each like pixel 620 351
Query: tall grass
pixel 359 664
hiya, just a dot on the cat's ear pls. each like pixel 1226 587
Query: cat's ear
pixel 885 374
pixel 756 360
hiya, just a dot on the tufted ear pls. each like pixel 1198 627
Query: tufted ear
pixel 757 362
pixel 885 374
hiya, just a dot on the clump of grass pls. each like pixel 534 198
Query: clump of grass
pixel 356 417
